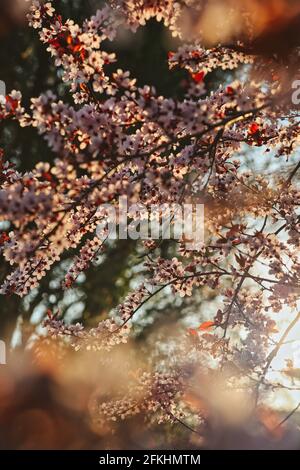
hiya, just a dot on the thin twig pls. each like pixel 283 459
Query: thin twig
pixel 288 416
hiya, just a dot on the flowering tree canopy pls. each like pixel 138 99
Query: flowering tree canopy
pixel 120 138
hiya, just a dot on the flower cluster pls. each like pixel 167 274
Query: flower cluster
pixel 152 393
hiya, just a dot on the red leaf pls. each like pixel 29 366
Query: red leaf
pixel 207 325
pixel 192 331
pixel 49 313
pixel 54 43
pixel 229 90
pixel 3 238
pixel 13 104
pixel 198 77
pixel 254 128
